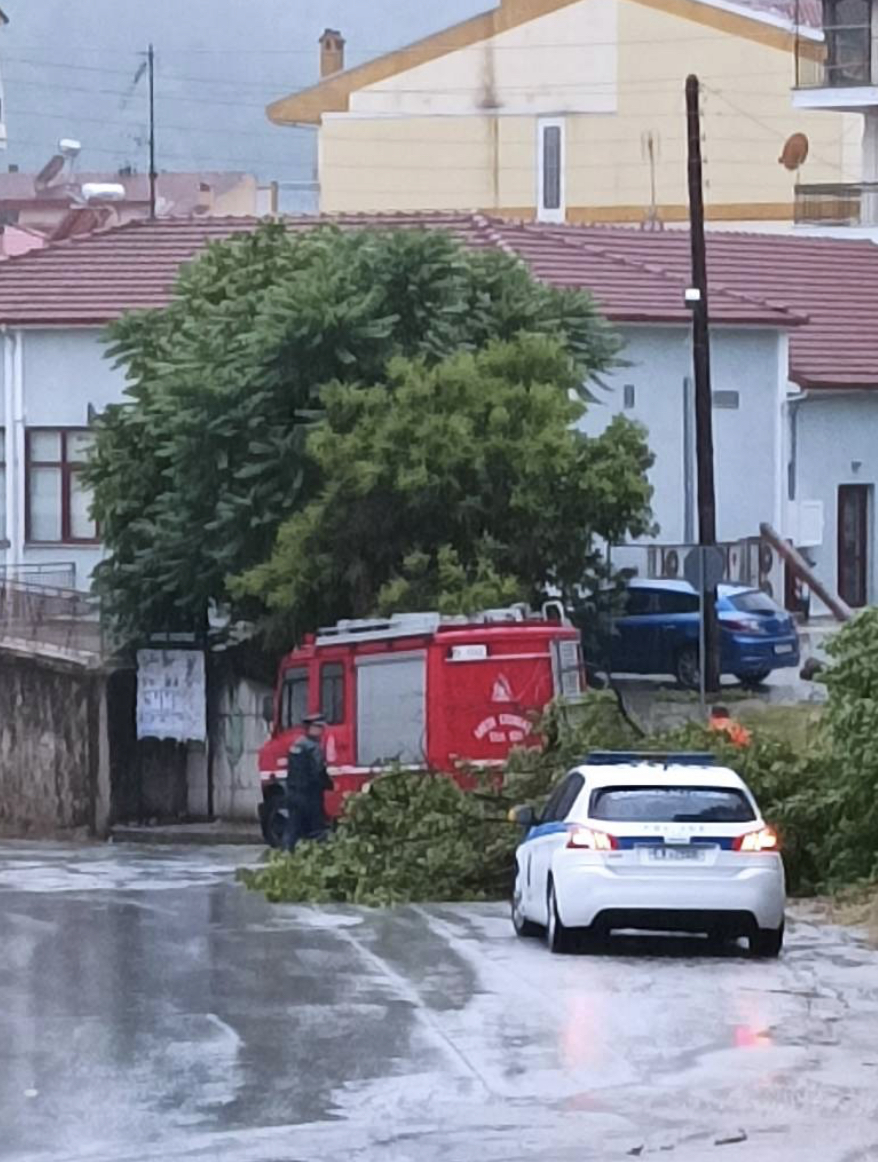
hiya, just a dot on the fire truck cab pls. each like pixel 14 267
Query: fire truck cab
pixel 442 693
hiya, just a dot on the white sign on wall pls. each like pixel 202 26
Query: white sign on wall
pixel 171 695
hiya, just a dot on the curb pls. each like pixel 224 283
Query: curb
pixel 196 834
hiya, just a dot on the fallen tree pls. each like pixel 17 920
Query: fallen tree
pixel 412 837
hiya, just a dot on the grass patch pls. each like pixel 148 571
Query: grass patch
pixel 796 726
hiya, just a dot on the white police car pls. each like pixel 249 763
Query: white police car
pixel 650 842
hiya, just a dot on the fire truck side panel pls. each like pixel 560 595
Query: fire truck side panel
pixel 486 692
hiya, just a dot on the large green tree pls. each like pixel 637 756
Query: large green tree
pixel 457 485
pixel 197 471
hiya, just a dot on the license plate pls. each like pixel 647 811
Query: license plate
pixel 783 649
pixel 675 854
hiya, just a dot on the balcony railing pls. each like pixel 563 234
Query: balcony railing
pixel 846 58
pixel 837 204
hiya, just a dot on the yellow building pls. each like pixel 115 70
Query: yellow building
pixel 574 109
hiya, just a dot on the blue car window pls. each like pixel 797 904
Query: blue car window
pixel 640 602
pixel 677 601
pixel 754 602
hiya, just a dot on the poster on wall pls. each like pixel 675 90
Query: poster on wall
pixel 171 695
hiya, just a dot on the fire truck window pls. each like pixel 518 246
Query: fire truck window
pixel 332 692
pixel 294 704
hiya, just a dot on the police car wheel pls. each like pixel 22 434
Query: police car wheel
pixel 523 927
pixel 558 938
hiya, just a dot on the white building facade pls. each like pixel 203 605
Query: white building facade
pixel 54 380
pixel 841 75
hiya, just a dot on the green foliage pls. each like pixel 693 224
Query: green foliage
pixel 455 484
pixel 851 723
pixel 197 471
pixel 409 837
pixel 440 581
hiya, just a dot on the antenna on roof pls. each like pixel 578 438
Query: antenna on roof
pixel 650 144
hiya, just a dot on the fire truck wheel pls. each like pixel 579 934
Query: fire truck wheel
pixel 274 821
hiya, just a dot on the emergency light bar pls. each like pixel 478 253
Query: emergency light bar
pixel 609 758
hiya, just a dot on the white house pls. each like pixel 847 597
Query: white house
pixel 795 373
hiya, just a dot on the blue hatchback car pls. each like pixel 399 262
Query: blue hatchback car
pixel 657 633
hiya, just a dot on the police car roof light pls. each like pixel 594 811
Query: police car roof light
pixel 607 758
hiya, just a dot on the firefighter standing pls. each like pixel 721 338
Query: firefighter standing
pixel 307 782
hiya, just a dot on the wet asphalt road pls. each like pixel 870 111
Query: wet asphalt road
pixel 152 1009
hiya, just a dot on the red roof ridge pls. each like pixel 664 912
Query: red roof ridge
pixel 725 235
pixel 715 288
pixel 488 227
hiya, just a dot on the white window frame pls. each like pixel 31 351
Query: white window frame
pixel 545 213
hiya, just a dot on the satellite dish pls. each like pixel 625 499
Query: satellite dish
pixel 49 172
pixel 795 151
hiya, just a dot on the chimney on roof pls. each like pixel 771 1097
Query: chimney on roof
pixel 206 199
pixel 331 52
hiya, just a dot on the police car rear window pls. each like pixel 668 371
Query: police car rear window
pixel 670 804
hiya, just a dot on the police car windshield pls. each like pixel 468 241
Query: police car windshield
pixel 670 804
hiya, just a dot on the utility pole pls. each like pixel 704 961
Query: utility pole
pixel 698 301
pixel 152 173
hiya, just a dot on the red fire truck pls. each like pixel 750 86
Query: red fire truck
pixel 441 693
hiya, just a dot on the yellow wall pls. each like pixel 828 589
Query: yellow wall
pixel 487 160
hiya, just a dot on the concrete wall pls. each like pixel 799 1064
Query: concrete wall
pixel 837 443
pixel 748 441
pixel 238 733
pixel 54 757
pixel 461 132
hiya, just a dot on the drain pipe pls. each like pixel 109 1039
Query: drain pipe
pixel 9 441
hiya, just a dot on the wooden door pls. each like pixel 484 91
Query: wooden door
pixel 853 544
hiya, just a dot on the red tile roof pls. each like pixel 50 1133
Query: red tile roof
pixel 832 281
pixel 824 290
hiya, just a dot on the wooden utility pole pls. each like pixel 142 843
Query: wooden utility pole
pixel 152 173
pixel 698 302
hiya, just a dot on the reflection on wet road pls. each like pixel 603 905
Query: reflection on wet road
pixel 152 1009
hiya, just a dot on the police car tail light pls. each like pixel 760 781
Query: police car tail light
pixel 587 839
pixel 765 839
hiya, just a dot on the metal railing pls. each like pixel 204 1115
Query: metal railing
pixel 837 204
pixel 54 575
pixel 35 608
pixel 845 58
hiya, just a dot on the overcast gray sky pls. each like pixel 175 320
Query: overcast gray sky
pixel 69 69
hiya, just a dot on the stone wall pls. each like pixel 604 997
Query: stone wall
pixel 54 755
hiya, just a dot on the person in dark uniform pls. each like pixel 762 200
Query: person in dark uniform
pixel 307 782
